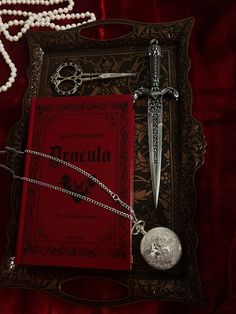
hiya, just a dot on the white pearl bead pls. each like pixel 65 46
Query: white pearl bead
pixel 42 19
pixel 19 35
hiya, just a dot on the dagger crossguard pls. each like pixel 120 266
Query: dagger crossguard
pixel 169 90
pixel 142 91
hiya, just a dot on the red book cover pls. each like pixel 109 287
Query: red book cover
pixel 94 133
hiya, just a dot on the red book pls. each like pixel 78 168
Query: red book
pixel 94 133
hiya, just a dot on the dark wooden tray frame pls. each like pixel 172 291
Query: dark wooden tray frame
pixel 183 154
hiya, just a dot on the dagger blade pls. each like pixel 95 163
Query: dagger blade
pixel 155 124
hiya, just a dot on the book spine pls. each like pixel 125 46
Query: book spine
pixel 23 204
pixel 131 162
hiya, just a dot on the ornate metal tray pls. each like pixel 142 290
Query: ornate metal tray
pixel 183 150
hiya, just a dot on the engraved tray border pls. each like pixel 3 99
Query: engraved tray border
pixel 182 286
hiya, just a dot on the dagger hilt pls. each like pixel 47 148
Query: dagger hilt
pixel 154 52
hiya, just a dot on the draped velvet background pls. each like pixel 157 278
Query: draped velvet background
pixel 212 76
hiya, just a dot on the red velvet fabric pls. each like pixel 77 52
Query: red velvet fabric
pixel 212 76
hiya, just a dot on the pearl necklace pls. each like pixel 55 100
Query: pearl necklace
pixel 32 19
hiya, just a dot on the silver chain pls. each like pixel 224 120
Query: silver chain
pixel 85 198
pixel 138 224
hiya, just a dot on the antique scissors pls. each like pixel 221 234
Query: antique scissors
pixel 69 77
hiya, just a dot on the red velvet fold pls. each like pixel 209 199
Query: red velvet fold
pixel 212 76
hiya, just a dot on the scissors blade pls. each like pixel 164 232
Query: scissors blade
pixel 115 75
pixel 155 124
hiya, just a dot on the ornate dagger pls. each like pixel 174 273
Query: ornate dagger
pixel 155 115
